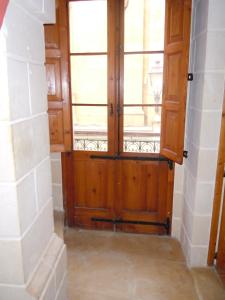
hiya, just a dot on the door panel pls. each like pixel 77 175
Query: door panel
pixel 93 184
pixel 139 185
pixel 93 190
pixel 143 195
pixel 127 190
pixel 53 73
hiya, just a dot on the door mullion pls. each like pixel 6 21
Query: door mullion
pixel 120 73
pixel 112 84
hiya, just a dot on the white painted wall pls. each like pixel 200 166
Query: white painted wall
pixel 204 111
pixel 27 238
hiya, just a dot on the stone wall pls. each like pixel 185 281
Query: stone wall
pixel 204 112
pixel 32 260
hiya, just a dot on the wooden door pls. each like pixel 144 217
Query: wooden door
pixel 115 177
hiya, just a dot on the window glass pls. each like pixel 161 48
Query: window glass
pixel 88 26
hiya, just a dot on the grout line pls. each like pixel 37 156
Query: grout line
pixel 36 217
pixel 35 190
pixel 61 284
pixel 29 87
pixel 11 285
pixel 22 59
pixel 40 260
pixel 14 238
pixel 27 12
pixel 205 110
pixel 209 71
pixel 18 181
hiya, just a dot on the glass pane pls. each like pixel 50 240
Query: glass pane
pixel 142 129
pixel 88 26
pixel 143 78
pixel 90 130
pixel 89 79
pixel 144 25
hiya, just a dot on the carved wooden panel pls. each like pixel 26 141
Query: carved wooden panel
pixel 171 130
pixel 172 90
pixel 176 18
pixel 56 126
pixel 53 74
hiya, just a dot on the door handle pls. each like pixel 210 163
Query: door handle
pixel 111 110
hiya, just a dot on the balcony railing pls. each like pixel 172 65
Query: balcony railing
pixel 131 145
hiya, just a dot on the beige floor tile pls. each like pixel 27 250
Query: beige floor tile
pixel 163 280
pixel 104 272
pixel 120 266
pixel 82 295
pixel 208 284
pixel 123 243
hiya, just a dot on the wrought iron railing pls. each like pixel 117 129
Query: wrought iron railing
pixel 139 146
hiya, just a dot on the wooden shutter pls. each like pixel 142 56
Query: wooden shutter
pixel 177 36
pixel 57 72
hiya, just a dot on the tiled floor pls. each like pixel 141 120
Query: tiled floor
pixel 120 266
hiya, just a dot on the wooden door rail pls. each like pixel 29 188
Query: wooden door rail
pixel 141 158
pixel 166 225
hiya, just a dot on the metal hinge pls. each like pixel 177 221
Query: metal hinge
pixel 215 255
pixel 185 153
pixel 190 76
pixel 165 224
pixel 170 164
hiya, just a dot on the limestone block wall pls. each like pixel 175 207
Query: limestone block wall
pixel 178 199
pixel 32 257
pixel 204 111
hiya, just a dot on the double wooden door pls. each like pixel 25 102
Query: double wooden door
pixel 117 73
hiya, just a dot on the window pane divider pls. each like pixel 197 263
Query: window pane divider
pixel 144 52
pixel 87 53
pixel 87 104
pixel 148 105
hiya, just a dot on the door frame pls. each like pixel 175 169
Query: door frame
pixel 216 227
pixel 117 87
